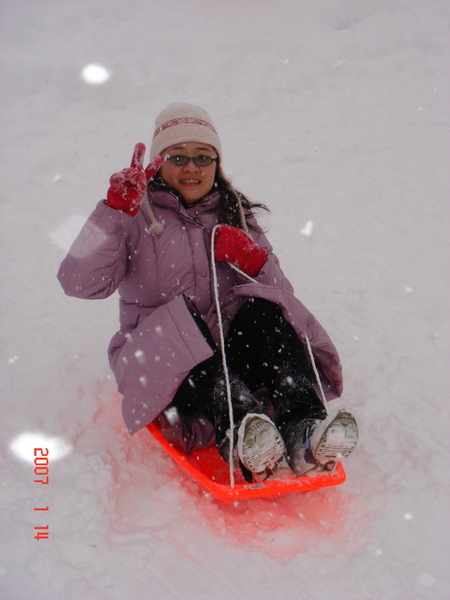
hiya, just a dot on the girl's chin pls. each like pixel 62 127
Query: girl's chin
pixel 192 193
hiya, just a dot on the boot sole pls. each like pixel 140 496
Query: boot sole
pixel 260 444
pixel 337 438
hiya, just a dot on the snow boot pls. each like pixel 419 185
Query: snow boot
pixel 186 433
pixel 323 443
pixel 260 446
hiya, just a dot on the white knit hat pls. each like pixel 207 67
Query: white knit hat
pixel 180 123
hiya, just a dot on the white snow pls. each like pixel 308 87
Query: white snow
pixel 95 74
pixel 332 112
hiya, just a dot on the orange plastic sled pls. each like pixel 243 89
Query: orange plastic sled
pixel 212 473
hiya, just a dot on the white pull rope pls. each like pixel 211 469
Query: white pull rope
pixel 224 358
pixel 237 269
pixel 316 373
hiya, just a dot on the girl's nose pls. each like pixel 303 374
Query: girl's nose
pixel 191 167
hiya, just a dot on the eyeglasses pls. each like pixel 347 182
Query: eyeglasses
pixel 180 160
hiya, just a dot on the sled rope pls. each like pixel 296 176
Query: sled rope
pixel 224 358
pixel 316 373
pixel 237 269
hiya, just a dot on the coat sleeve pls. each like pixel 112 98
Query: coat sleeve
pixel 97 260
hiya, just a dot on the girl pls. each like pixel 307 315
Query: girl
pixel 212 343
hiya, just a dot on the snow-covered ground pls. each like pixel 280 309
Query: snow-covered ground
pixel 335 113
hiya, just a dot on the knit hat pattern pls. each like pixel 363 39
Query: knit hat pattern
pixel 180 123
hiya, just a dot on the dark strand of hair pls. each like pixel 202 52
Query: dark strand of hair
pixel 228 209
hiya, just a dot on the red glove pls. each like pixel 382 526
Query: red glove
pixel 236 247
pixel 127 187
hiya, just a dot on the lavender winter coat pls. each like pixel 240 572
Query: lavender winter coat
pixel 158 342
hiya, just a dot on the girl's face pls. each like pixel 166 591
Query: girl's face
pixel 193 182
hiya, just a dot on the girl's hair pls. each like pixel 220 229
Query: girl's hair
pixel 231 201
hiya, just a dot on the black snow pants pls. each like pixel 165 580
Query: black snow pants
pixel 263 351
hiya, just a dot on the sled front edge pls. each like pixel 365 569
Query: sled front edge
pixel 211 472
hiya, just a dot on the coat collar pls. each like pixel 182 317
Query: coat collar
pixel 169 199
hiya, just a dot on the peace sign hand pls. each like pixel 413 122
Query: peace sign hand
pixel 127 187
